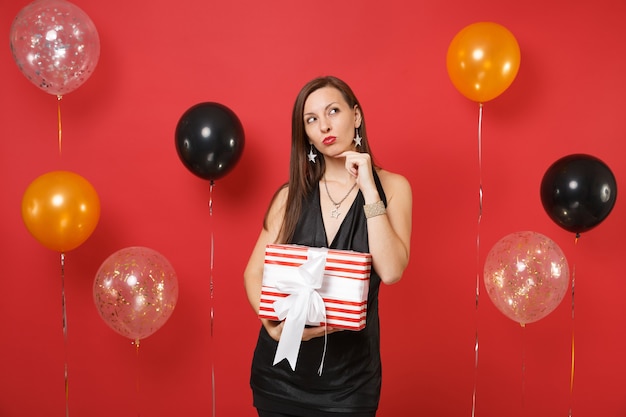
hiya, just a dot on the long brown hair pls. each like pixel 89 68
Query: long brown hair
pixel 304 176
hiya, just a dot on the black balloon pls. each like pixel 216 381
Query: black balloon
pixel 209 140
pixel 578 192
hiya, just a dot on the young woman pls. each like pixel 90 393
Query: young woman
pixel 337 198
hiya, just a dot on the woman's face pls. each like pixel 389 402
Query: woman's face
pixel 329 121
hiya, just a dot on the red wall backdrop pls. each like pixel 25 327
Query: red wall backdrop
pixel 159 58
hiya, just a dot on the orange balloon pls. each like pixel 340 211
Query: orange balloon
pixel 61 210
pixel 483 60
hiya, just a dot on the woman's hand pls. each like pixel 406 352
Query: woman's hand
pixel 275 329
pixel 318 331
pixel 359 165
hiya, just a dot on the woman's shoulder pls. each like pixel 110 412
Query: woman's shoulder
pixel 392 181
pixel 280 197
pixel 276 210
pixel 397 189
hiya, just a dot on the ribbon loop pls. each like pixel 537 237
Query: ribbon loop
pixel 302 304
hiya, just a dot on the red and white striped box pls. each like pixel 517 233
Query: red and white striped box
pixel 344 289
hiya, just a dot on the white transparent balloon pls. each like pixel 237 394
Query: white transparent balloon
pixel 526 276
pixel 55 45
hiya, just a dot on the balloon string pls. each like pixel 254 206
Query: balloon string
pixel 523 368
pixel 211 289
pixel 480 215
pixel 59 97
pixel 571 380
pixel 480 159
pixel 475 375
pixel 137 381
pixel 66 379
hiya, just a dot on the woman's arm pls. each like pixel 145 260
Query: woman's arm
pixel 253 274
pixel 390 235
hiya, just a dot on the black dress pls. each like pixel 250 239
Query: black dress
pixel 351 377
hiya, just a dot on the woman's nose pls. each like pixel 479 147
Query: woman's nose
pixel 325 126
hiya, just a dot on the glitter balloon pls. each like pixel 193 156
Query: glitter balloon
pixel 526 276
pixel 55 45
pixel 135 291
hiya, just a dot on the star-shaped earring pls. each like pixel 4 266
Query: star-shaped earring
pixel 357 138
pixel 311 155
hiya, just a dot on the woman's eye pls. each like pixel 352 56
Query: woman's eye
pixel 310 120
pixel 333 111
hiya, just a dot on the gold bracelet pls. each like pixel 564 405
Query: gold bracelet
pixel 374 209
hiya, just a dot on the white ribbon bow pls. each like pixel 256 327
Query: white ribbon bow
pixel 303 304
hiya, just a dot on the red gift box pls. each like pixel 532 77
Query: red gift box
pixel 344 286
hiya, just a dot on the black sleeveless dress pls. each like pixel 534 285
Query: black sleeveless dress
pixel 351 377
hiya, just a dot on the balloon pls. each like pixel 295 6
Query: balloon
pixel 483 60
pixel 55 45
pixel 61 210
pixel 209 140
pixel 526 276
pixel 135 291
pixel 578 192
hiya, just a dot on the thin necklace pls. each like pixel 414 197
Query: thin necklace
pixel 335 213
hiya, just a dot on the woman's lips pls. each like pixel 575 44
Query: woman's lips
pixel 329 140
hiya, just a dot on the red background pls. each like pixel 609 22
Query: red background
pixel 159 58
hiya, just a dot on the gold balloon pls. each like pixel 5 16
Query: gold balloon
pixel 483 60
pixel 61 210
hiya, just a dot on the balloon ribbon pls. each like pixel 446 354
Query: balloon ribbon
pixel 480 215
pixel 523 326
pixel 211 287
pixel 571 378
pixel 137 385
pixel 66 382
pixel 59 97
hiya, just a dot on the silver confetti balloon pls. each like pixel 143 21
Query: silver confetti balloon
pixel 55 45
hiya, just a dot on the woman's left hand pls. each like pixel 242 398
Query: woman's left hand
pixel 317 331
pixel 359 165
